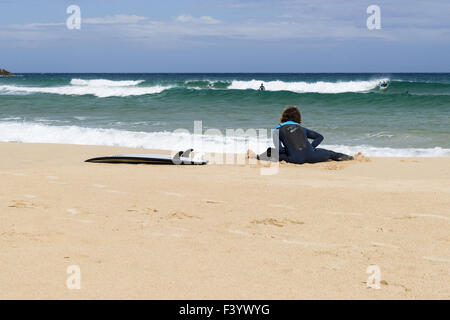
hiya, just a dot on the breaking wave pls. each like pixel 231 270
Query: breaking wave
pixel 313 87
pixel 98 87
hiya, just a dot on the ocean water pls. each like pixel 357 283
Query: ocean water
pixel 158 110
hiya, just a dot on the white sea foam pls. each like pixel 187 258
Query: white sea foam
pixel 122 88
pixel 303 87
pixel 105 83
pixel 10 118
pixel 42 133
pixel 97 87
pixel 390 152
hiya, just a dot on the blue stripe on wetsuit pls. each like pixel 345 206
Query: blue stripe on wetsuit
pixel 284 123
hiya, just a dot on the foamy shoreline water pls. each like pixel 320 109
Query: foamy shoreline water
pixel 166 140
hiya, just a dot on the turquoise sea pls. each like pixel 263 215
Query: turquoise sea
pixel 411 117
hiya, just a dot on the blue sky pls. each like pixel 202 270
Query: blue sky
pixel 225 36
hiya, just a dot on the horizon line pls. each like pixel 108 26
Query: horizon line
pixel 241 72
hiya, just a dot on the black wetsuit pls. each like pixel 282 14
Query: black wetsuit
pixel 292 144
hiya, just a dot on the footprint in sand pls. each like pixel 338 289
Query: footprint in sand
pixel 380 244
pixel 54 180
pixel 174 194
pixel 116 191
pixel 294 242
pixel 269 221
pixel 13 236
pixel 142 223
pixel 181 215
pixel 430 216
pixel 276 222
pixel 382 282
pixel 414 216
pixel 336 213
pixel 239 232
pixel 435 259
pixel 329 253
pixel 20 204
pixel 81 220
pixel 214 201
pixel 282 206
pixel 160 234
pixel 404 218
pixel 57 182
pixel 100 186
pixel 17 174
pixel 146 211
pixel 315 244
pixel 76 211
pixel 335 166
pixel 73 211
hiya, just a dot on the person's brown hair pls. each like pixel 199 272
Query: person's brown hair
pixel 291 113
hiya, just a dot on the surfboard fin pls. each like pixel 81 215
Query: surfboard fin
pixel 181 154
pixel 187 153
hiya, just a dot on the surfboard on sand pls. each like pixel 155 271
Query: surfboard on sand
pixel 180 158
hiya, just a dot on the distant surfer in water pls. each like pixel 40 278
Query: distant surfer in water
pixel 292 144
pixel 262 88
pixel 384 84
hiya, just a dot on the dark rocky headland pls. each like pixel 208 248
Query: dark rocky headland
pixel 4 72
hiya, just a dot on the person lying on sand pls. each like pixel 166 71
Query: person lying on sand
pixel 292 144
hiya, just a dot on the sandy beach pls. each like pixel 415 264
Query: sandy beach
pixel 220 231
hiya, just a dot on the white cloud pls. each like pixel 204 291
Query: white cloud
pixel 285 16
pixel 186 18
pixel 309 23
pixel 115 19
pixel 35 26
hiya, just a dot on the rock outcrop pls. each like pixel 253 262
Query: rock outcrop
pixel 3 72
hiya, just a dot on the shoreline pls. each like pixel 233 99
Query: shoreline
pixel 220 231
pixel 346 149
